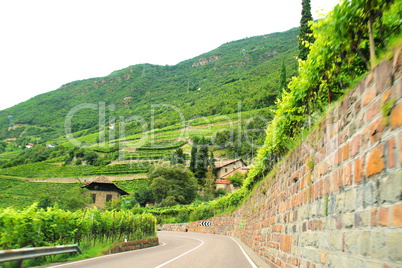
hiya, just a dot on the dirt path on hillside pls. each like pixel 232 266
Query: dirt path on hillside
pixel 90 178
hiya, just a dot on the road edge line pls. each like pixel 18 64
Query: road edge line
pixel 245 254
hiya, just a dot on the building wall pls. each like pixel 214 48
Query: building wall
pixel 225 184
pixel 229 168
pixel 336 199
pixel 101 196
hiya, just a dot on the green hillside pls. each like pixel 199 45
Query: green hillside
pixel 128 120
pixel 245 71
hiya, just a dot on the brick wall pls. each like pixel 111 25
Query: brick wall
pixel 335 200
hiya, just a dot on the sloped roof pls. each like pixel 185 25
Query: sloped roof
pixel 220 181
pixel 103 180
pixel 223 163
pixel 242 170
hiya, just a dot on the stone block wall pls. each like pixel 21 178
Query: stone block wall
pixel 336 199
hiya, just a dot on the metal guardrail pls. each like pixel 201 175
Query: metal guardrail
pixel 30 253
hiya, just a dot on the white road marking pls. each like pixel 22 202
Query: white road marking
pixel 161 244
pixel 169 261
pixel 245 254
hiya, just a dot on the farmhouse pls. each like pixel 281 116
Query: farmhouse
pixel 29 145
pixel 228 168
pixel 103 190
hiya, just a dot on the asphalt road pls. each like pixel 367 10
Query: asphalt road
pixel 176 249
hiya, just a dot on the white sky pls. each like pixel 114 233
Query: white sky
pixel 47 43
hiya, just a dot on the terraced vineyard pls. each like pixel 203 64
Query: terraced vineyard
pixel 20 193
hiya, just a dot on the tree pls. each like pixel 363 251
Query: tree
pixel 210 182
pixel 364 22
pixel 161 188
pixel 306 34
pixel 201 164
pixel 181 157
pixel 144 196
pixel 200 158
pixel 211 163
pixel 177 157
pixel 193 158
pixel 172 183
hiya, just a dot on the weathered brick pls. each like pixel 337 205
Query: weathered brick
pixel 333 182
pixel 355 145
pixel 325 186
pixel 375 160
pixel 347 174
pixel 286 243
pixel 382 75
pixel 368 96
pixel 340 202
pixel 397 215
pixel 396 116
pixel 363 218
pixel 390 188
pixel 358 169
pixel 373 110
pixel 365 141
pixel 348 220
pixel 359 198
pixel 383 216
pixel 377 129
pixel 364 243
pixel 358 219
pixel 369 194
pixel 277 228
pixel 396 89
pixel 335 241
pixel 400 148
pixel 378 247
pixel 393 245
pixel 350 202
pixel 331 205
pixel 385 96
pixel 391 152
pixel 345 152
pixel 323 257
pixel 351 242
pixel 373 217
pixel 339 222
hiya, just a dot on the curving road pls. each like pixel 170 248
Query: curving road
pixel 176 249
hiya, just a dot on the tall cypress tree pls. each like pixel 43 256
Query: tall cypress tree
pixel 201 164
pixel 193 158
pixel 305 31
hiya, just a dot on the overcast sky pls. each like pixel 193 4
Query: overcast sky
pixel 47 43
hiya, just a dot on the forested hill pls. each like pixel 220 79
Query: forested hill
pixel 245 71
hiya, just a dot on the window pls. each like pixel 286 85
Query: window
pixel 226 170
pixel 108 197
pixel 93 198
